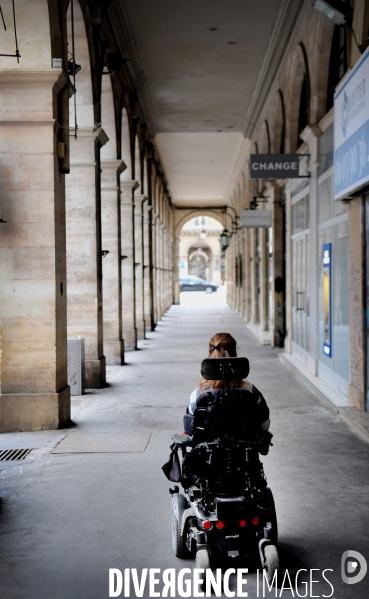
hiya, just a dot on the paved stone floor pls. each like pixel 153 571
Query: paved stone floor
pixel 66 518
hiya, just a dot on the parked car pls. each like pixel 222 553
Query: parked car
pixel 192 283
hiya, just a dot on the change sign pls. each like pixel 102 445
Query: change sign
pixel 274 166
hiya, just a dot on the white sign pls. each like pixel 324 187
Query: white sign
pixel 351 130
pixel 256 218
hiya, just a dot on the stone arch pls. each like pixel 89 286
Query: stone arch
pixel 126 146
pixel 181 219
pixel 298 70
pixel 137 163
pixel 278 124
pixel 82 103
pixel 265 140
pixel 109 150
pixel 323 33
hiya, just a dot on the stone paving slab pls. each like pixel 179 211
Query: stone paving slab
pixel 103 443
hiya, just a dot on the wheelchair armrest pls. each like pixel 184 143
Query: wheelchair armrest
pixel 182 440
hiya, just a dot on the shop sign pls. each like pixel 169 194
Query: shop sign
pixel 327 299
pixel 278 166
pixel 255 219
pixel 351 131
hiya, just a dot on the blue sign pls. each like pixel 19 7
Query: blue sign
pixel 327 300
pixel 351 130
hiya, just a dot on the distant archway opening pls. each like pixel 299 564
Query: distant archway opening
pixel 200 253
pixel 199 259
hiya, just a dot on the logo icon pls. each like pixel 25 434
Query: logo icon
pixel 344 114
pixel 353 563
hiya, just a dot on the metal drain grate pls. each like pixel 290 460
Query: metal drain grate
pixel 13 454
pixel 104 443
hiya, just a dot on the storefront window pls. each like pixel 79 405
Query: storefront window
pixel 333 229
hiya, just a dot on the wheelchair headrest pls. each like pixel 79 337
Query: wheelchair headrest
pixel 214 369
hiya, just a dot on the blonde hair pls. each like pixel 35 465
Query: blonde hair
pixel 221 345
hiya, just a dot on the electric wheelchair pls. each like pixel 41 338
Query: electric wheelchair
pixel 228 510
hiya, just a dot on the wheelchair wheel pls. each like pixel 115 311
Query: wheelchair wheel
pixel 273 515
pixel 202 559
pixel 272 561
pixel 179 504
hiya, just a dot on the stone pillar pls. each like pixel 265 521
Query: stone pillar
pixel 111 242
pixel 357 301
pixel 155 265
pixel 34 393
pixel 278 285
pixel 146 267
pixel 176 259
pixel 263 281
pixel 84 266
pixel 139 266
pixel 128 260
pixel 244 279
pixel 288 339
pixel 247 276
pixel 254 277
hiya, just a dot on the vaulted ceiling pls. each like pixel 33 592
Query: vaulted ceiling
pixel 201 68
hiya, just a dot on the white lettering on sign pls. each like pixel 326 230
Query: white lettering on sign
pixel 274 166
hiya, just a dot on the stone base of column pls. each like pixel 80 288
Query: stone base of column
pixel 356 398
pixel 147 323
pixel 130 339
pixel 114 352
pixel 21 412
pixel 95 373
pixel 141 330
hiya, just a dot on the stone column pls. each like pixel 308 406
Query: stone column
pixel 176 259
pixel 263 282
pixel 311 135
pixel 357 301
pixel 278 285
pixel 34 393
pixel 111 242
pixel 155 265
pixel 248 274
pixel 139 266
pixel 128 260
pixel 254 277
pixel 146 267
pixel 288 339
pixel 244 281
pixel 84 266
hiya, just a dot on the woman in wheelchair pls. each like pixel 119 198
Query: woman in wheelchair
pixel 223 345
pixel 229 509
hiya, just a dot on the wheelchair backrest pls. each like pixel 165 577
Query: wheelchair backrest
pixel 234 415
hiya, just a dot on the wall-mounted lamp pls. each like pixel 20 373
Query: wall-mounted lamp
pixel 73 67
pixel 123 257
pixel 104 253
pixel 255 201
pixel 336 10
pixel 224 240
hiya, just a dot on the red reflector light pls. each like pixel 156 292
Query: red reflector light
pixel 220 525
pixel 207 525
pixel 255 521
pixel 242 523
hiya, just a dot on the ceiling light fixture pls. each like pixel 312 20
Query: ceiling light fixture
pixel 213 28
